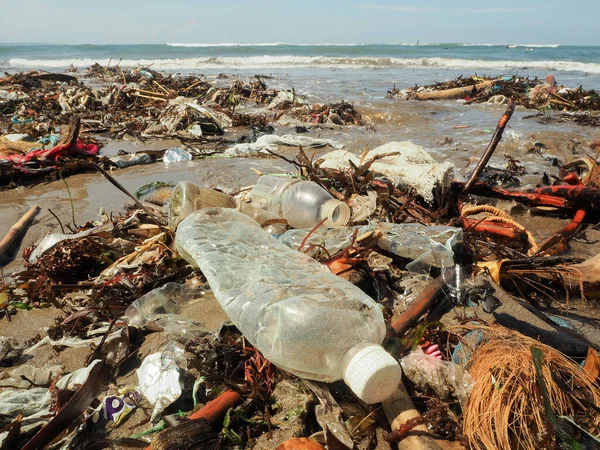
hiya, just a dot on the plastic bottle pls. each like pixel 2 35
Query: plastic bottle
pixel 300 316
pixel 302 203
pixel 188 197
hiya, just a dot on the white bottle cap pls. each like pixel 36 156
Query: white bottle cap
pixel 373 374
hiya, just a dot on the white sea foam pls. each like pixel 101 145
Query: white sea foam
pixel 510 45
pixel 267 44
pixel 288 62
pixel 538 45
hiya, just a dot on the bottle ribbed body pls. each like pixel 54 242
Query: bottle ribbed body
pixel 300 316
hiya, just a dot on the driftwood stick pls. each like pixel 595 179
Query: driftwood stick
pixel 421 305
pixel 399 409
pixel 160 86
pixel 489 151
pixel 16 230
pixel 72 134
pixel 153 216
pixel 193 85
pixel 137 94
pixel 143 91
pixel 454 93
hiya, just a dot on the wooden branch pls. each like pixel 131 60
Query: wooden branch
pixel 143 91
pixel 137 94
pixel 160 86
pixel 489 151
pixel 399 409
pixel 193 85
pixel 72 134
pixel 452 94
pixel 421 304
pixel 16 230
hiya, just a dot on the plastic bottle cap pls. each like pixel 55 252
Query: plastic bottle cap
pixel 373 374
pixel 337 212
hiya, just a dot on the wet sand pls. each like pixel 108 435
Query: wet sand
pixel 450 130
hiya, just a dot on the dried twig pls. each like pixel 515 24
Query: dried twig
pixel 153 217
pixel 489 151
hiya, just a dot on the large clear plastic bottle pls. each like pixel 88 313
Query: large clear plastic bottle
pixel 302 203
pixel 300 316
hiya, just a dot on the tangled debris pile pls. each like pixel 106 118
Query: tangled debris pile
pixel 479 313
pixel 139 100
pixel 138 104
pixel 576 104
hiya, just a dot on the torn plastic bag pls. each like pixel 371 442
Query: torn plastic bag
pixel 25 376
pixel 32 402
pixel 51 240
pixel 272 142
pixel 286 97
pixel 131 159
pixel 363 206
pixel 10 350
pixel 176 154
pixel 447 379
pixel 158 379
pixel 35 402
pixel 54 154
pixel 75 342
pixel 409 166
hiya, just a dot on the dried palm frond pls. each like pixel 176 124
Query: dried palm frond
pixel 506 408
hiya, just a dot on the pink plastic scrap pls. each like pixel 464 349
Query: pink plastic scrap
pixel 54 154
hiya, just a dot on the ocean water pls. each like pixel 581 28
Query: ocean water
pixel 362 74
pixel 404 64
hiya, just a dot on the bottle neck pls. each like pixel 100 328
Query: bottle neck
pixel 336 212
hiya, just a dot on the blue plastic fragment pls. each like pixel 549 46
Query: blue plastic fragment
pixel 462 352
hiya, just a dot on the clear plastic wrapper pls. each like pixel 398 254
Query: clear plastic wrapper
pixel 162 306
pixel 426 246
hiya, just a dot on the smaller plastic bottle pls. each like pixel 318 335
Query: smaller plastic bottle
pixel 304 204
pixel 188 197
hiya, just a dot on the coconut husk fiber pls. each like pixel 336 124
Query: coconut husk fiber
pixel 506 408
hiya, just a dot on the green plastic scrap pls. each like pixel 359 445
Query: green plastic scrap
pixel 227 432
pixel 20 305
pixel 566 438
pixel 156 428
pixel 197 385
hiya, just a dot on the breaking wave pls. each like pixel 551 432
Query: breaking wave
pixel 266 44
pixel 290 62
pixel 404 44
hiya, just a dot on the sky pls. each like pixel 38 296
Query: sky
pixel 307 21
